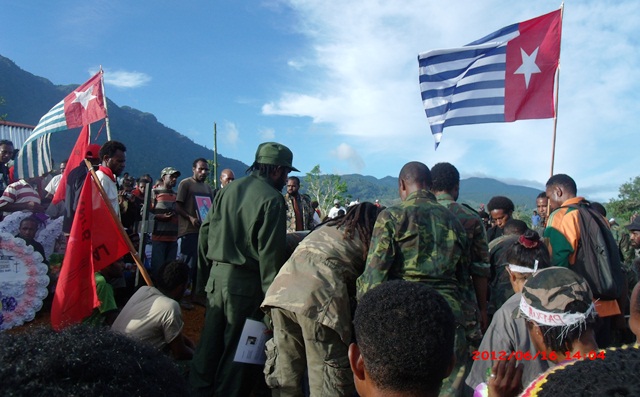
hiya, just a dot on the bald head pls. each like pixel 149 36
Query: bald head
pixel 226 176
pixel 413 176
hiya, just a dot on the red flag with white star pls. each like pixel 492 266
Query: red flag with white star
pixel 532 60
pixel 85 104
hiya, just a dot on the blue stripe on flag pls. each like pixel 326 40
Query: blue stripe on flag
pixel 481 85
pixel 465 85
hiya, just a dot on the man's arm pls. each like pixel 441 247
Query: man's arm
pixel 204 265
pixel 382 253
pixel 272 242
pixel 181 348
pixel 480 271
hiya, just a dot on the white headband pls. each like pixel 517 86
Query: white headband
pixel 554 319
pixel 523 269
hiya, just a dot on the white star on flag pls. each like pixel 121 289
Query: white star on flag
pixel 528 66
pixel 84 97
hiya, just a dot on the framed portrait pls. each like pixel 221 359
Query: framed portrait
pixel 203 203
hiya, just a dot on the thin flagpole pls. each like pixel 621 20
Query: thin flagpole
pixel 557 91
pixel 106 111
pixel 124 235
pixel 215 157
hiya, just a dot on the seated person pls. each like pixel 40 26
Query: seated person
pixel 153 314
pixel 404 341
pixel 27 232
pixel 557 305
pixel 84 361
pixel 523 258
pixel 21 196
pixel 107 312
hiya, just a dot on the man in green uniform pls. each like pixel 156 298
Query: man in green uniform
pixel 446 188
pixel 420 240
pixel 245 235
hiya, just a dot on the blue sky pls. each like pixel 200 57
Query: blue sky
pixel 337 81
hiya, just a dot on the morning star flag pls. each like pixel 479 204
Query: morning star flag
pixel 83 106
pixel 95 242
pixel 505 76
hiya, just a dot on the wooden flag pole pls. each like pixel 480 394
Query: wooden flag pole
pixel 106 111
pixel 557 91
pixel 124 235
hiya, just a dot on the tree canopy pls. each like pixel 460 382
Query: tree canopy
pixel 628 201
pixel 324 188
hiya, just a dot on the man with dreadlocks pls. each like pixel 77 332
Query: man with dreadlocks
pixel 246 246
pixel 310 304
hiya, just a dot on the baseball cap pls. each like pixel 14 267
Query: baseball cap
pixel 635 225
pixel 275 154
pixel 93 151
pixel 336 201
pixel 169 171
pixel 546 295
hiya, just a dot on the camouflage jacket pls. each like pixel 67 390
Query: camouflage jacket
pixel 477 266
pixel 477 235
pixel 304 204
pixel 418 240
pixel 318 281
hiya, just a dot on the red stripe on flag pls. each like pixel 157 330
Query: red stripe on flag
pixel 534 101
pixel 78 154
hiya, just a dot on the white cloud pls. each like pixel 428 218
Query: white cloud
pixel 362 80
pixel 230 133
pixel 267 134
pixel 125 79
pixel 350 155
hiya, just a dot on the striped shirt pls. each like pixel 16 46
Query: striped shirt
pixel 19 192
pixel 164 201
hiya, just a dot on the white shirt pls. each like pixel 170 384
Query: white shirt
pixel 111 189
pixel 150 316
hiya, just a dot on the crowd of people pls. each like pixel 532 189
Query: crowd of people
pixel 422 298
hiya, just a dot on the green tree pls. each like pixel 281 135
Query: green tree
pixel 324 188
pixel 628 201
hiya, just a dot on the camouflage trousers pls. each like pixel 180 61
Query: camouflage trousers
pixel 454 385
pixel 300 344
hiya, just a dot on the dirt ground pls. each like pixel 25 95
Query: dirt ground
pixel 193 321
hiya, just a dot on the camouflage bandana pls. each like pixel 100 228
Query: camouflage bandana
pixel 546 295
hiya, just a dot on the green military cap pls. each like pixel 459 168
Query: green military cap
pixel 546 295
pixel 275 154
pixel 169 171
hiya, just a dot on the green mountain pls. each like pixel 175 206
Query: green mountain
pixel 473 191
pixel 151 145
